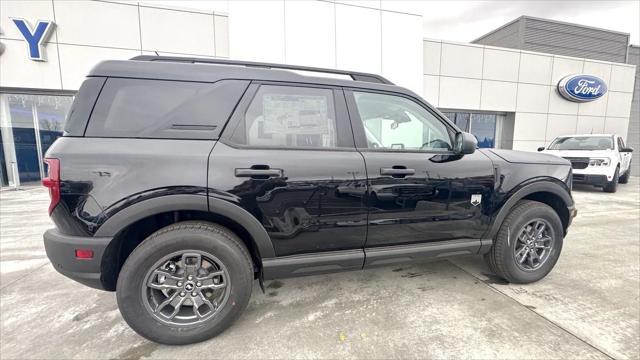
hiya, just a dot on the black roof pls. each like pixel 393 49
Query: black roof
pixel 211 70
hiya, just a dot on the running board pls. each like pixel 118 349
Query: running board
pixel 345 260
pixel 398 254
pixel 312 264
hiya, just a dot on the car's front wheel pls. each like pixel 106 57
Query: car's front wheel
pixel 624 179
pixel 528 243
pixel 185 283
pixel 612 186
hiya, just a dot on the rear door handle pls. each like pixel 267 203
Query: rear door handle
pixel 260 173
pixel 397 171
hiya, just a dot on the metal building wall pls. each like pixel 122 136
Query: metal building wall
pixel 633 135
pixel 573 40
pixel 508 36
pixel 559 38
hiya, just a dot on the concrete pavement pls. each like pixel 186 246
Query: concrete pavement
pixel 588 307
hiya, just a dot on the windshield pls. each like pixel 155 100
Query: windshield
pixel 582 143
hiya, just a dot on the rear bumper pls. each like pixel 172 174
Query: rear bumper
pixel 61 248
pixel 599 180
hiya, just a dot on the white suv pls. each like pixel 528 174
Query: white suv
pixel 597 159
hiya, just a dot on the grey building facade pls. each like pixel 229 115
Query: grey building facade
pixel 561 38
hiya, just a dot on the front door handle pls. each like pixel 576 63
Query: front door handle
pixel 259 173
pixel 397 171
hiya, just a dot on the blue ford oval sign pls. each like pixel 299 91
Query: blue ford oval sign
pixel 581 87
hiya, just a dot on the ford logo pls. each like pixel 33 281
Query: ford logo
pixel 581 87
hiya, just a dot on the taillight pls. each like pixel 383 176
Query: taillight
pixel 52 182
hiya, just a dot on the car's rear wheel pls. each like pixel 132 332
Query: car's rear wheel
pixel 612 186
pixel 625 178
pixel 528 243
pixel 185 283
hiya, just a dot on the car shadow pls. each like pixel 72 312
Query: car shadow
pixel 587 188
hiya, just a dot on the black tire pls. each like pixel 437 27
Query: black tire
pixel 624 179
pixel 612 186
pixel 185 236
pixel 501 259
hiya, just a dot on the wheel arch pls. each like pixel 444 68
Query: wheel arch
pixel 555 194
pixel 131 225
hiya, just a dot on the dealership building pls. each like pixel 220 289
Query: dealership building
pixel 502 87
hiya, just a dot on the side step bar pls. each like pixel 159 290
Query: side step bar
pixel 338 261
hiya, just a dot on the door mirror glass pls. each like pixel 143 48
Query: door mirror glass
pixel 541 148
pixel 465 143
pixel 626 150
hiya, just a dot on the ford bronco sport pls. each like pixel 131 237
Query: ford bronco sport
pixel 180 181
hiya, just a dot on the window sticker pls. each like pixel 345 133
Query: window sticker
pixel 295 114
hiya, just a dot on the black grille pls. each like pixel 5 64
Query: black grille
pixel 578 163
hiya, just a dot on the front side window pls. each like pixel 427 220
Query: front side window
pixel 289 116
pixel 582 143
pixel 396 123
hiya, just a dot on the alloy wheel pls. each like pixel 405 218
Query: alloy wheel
pixel 533 245
pixel 186 288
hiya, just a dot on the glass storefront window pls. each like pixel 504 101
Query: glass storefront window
pixel 51 112
pixel 482 125
pixel 32 124
pixel 462 120
pixel 24 138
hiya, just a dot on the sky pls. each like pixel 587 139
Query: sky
pixel 464 21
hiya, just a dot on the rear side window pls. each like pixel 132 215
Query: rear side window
pixel 164 109
pixel 290 117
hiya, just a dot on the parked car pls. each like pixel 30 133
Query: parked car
pixel 597 159
pixel 180 181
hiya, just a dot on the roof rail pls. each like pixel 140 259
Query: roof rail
pixel 356 76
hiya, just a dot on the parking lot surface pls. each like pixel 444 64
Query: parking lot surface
pixel 588 307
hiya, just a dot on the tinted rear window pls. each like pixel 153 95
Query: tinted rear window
pixel 164 109
pixel 78 115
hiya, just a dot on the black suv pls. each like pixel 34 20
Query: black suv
pixel 179 181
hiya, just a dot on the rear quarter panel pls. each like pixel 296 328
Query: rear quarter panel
pixel 100 176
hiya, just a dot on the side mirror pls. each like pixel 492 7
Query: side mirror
pixel 541 148
pixel 465 143
pixel 626 150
